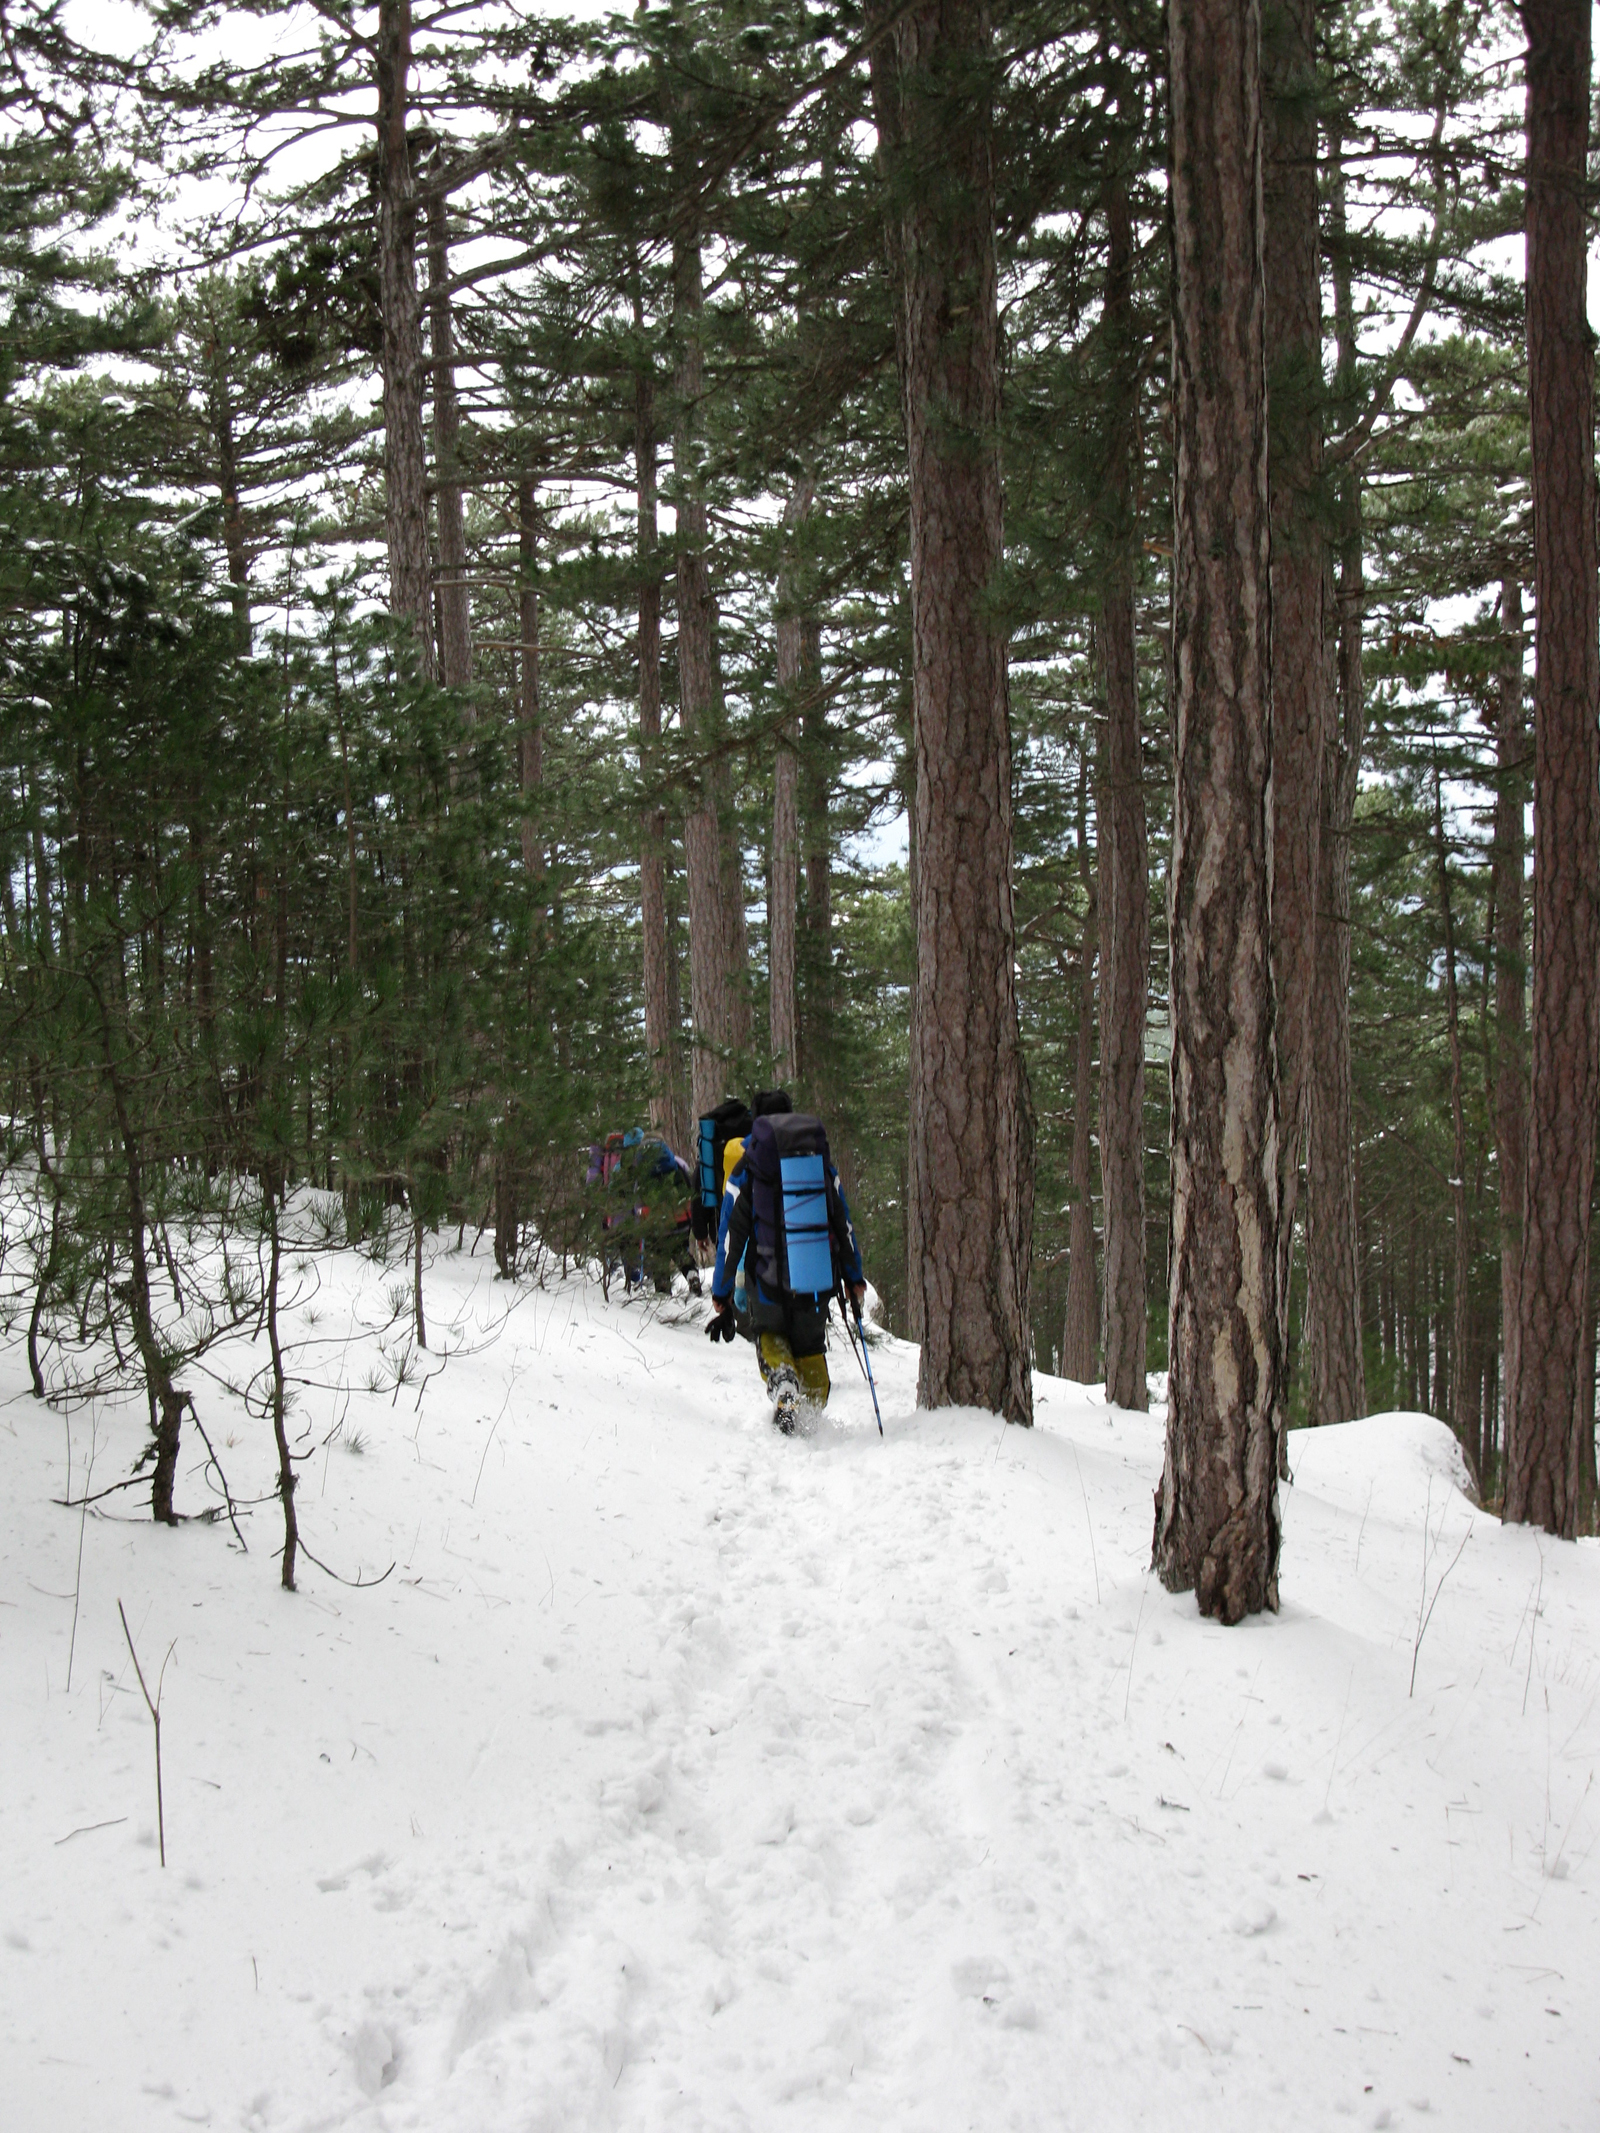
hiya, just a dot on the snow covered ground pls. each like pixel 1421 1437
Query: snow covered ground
pixel 680 1774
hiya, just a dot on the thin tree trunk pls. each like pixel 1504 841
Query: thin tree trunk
pixel 1542 1482
pixel 219 408
pixel 660 1029
pixel 530 729
pixel 970 1124
pixel 1217 1516
pixel 280 1435
pixel 453 600
pixel 1336 1366
pixel 165 1400
pixel 405 468
pixel 700 701
pixel 1292 261
pixel 1510 974
pixel 1125 960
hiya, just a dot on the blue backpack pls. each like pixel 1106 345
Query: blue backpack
pixel 795 1205
pixel 730 1121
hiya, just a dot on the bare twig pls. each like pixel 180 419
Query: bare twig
pixel 1533 1630
pixel 355 1584
pixel 83 1520
pixel 154 1708
pixel 88 1829
pixel 221 1476
pixel 1089 1522
pixel 1134 1646
pixel 1422 1627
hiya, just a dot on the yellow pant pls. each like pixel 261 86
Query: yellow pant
pixel 774 1354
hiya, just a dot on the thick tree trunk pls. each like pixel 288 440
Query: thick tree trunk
pixel 1125 919
pixel 1217 1516
pixel 814 950
pixel 405 466
pixel 1510 975
pixel 660 1029
pixel 1542 1481
pixel 700 699
pixel 792 678
pixel 1463 1375
pixel 970 1126
pixel 781 917
pixel 530 724
pixel 452 600
pixel 1081 1330
pixel 1336 1368
pixel 1292 261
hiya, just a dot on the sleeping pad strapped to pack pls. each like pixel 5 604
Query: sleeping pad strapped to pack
pixel 730 1121
pixel 796 1208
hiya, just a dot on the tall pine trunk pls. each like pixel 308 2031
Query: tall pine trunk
pixel 1080 1336
pixel 1543 1467
pixel 971 1186
pixel 660 1033
pixel 793 678
pixel 405 466
pixel 814 950
pixel 1336 1367
pixel 530 723
pixel 1125 860
pixel 452 600
pixel 1217 1527
pixel 1510 974
pixel 1292 261
pixel 1463 1368
pixel 219 414
pixel 699 695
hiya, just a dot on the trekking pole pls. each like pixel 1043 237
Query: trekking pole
pixel 866 1363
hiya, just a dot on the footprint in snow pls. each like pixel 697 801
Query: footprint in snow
pixel 1253 1919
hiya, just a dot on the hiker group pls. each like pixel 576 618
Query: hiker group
pixel 765 1194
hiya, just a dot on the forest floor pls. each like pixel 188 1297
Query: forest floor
pixel 681 1774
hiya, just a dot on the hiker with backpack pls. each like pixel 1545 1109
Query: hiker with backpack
pixel 642 1218
pixel 786 1224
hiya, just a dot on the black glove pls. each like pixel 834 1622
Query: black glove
pixel 722 1327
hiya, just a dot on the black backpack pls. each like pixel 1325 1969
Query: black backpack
pixel 795 1204
pixel 730 1121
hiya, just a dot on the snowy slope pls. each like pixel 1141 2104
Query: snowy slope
pixel 683 1775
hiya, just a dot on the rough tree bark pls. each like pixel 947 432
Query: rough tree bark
pixel 1292 263
pixel 814 951
pixel 792 677
pixel 452 600
pixel 700 700
pixel 1510 973
pixel 405 464
pixel 971 1198
pixel 1125 920
pixel 660 1033
pixel 1464 1412
pixel 1081 1329
pixel 1336 1380
pixel 1217 1526
pixel 1543 1467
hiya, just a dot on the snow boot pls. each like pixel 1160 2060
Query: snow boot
pixel 784 1388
